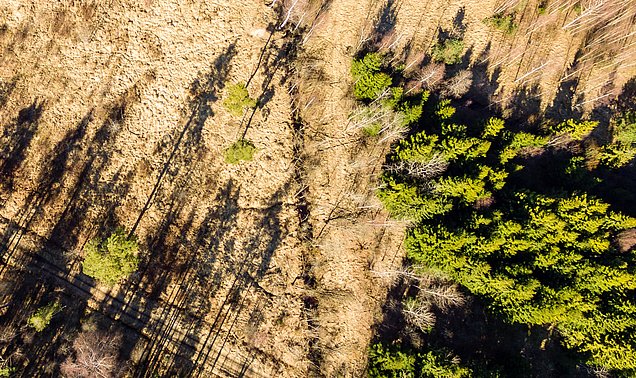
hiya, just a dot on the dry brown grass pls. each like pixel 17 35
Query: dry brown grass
pixel 113 144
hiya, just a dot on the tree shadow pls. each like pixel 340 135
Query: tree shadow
pixel 464 64
pixel 43 260
pixel 551 170
pixel 35 353
pixel 192 272
pixel 480 340
pixel 16 139
pixel 244 267
pixel 91 193
pixel 459 26
pixel 605 107
pixel 618 188
pixel 269 231
pixel 526 102
pixel 514 350
pixel 626 101
pixel 6 88
pixel 164 269
pixel 458 29
pixel 484 85
pixel 563 104
pixel 46 189
pixel 272 60
pixel 204 91
pixel 386 21
pixel 188 272
pixel 212 260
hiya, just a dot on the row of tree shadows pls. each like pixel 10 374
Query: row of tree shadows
pixel 189 269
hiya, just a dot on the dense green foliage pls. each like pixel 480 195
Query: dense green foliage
pixel 539 259
pixel 541 255
pixel 449 52
pixel 369 80
pixel 6 371
pixel 112 259
pixel 241 150
pixel 545 261
pixel 622 148
pixel 504 22
pixel 393 363
pixel 42 317
pixel 238 99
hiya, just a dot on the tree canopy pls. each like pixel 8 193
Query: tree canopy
pixel 370 82
pixel 390 362
pixel 238 99
pixel 112 259
pixel 539 256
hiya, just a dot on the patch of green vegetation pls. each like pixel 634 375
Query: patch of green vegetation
pixel 575 130
pixel 369 81
pixel 6 371
pixel 542 255
pixel 536 258
pixel 542 7
pixel 449 52
pixel 238 99
pixel 42 317
pixel 504 22
pixel 409 108
pixel 372 130
pixel 110 260
pixel 622 148
pixel 241 150
pixel 390 114
pixel 395 362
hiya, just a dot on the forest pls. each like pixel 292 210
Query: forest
pixel 522 217
pixel 317 188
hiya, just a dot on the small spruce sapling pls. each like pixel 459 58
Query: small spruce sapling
pixel 238 99
pixel 504 22
pixel 370 82
pixel 449 52
pixel 42 317
pixel 110 260
pixel 241 150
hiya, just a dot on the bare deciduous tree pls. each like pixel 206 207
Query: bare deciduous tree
pixel 440 293
pixel 434 292
pixel 421 170
pixel 389 41
pixel 418 313
pixel 96 355
pixel 393 275
pixel 413 60
pixel 459 84
pixel 379 120
pixel 429 77
pixel 310 14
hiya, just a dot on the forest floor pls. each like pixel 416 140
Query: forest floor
pixel 111 115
